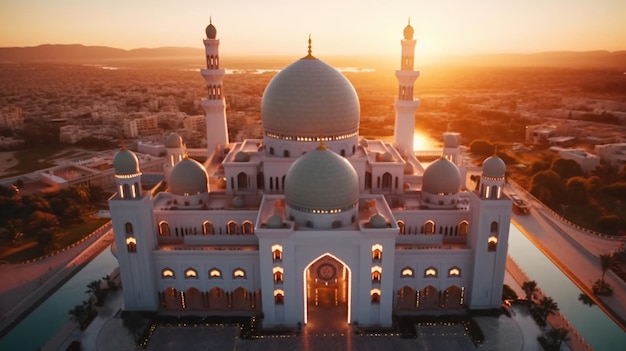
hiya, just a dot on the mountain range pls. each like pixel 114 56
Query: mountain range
pixel 77 53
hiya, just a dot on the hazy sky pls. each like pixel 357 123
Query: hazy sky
pixel 337 27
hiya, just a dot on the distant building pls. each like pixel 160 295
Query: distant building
pixel 195 123
pixel 613 154
pixel 141 127
pixel 540 132
pixel 312 215
pixel 588 162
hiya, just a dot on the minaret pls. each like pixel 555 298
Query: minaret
pixel 490 220
pixel 405 104
pixel 133 227
pixel 214 106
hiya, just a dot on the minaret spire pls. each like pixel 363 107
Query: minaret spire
pixel 405 104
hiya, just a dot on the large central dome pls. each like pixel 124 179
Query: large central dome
pixel 309 98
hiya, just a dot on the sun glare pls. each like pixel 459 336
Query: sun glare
pixel 423 142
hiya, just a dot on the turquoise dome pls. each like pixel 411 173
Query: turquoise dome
pixel 125 162
pixel 309 98
pixel 321 180
pixel 173 141
pixel 188 177
pixel 494 167
pixel 441 177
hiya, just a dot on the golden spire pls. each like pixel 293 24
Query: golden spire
pixel 310 55
pixel 322 146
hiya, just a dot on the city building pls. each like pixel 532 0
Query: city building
pixel 141 127
pixel 311 216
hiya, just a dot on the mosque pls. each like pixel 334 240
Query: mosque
pixel 311 216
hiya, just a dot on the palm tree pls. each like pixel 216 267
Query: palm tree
pixel 529 288
pixel 555 337
pixel 606 260
pixel 546 306
pixel 78 314
pixel 134 323
pixel 95 288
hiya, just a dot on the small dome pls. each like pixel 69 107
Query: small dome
pixel 239 202
pixel 321 180
pixel 408 168
pixel 274 221
pixel 408 32
pixel 309 98
pixel 242 156
pixel 211 31
pixel 173 141
pixel 125 162
pixel 188 177
pixel 384 157
pixel 494 167
pixel 378 221
pixel 441 177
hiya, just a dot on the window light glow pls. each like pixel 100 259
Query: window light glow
pixel 215 273
pixel 407 272
pixel 167 273
pixel 430 272
pixel 454 272
pixel 191 273
pixel 239 273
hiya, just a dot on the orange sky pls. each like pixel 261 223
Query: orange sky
pixel 458 27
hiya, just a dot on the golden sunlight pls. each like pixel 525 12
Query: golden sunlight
pixel 423 142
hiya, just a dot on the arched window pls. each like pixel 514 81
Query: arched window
pixel 463 228
pixel 128 228
pixel 278 275
pixel 376 273
pixel 215 273
pixel 286 153
pixel 492 243
pixel 495 192
pixel 494 227
pixel 126 191
pixel 164 228
pixel 247 227
pixel 131 244
pixel 407 272
pixel 167 273
pixel 208 228
pixel 402 227
pixel 387 181
pixel 375 296
pixel 232 228
pixel 430 272
pixel 242 181
pixel 377 252
pixel 454 272
pixel 271 150
pixel 279 296
pixel 239 273
pixel 277 253
pixel 191 273
pixel 429 227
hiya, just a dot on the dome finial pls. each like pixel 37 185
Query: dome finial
pixel 322 146
pixel 408 31
pixel 309 55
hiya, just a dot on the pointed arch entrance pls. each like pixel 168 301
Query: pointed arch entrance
pixel 327 291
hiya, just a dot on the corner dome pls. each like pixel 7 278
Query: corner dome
pixel 378 221
pixel 451 140
pixel 310 99
pixel 188 177
pixel 242 156
pixel 239 202
pixel 173 141
pixel 441 177
pixel 274 221
pixel 125 162
pixel 321 181
pixel 494 167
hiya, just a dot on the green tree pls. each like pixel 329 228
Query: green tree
pixel 529 288
pixel 482 147
pixel 566 168
pixel 548 187
pixel 43 226
pixel 606 260
pixel 95 288
pixel 576 189
pixel 134 323
pixel 553 338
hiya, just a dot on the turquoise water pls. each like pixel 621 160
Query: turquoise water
pixel 591 322
pixel 46 320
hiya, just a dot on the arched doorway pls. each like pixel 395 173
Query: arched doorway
pixel 327 293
